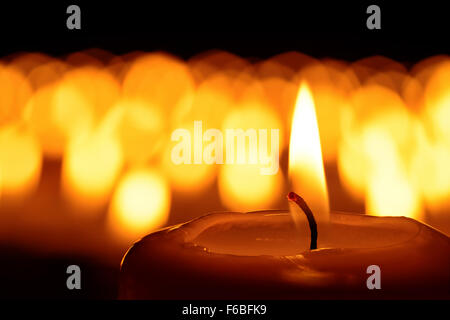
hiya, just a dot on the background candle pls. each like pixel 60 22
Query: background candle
pixel 306 171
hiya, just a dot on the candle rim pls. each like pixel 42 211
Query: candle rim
pixel 186 233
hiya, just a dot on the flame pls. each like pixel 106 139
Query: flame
pixel 243 188
pixel 306 170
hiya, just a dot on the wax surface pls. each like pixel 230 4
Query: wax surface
pixel 274 234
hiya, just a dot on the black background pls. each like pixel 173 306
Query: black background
pixel 410 30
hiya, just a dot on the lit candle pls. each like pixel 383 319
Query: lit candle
pixel 265 255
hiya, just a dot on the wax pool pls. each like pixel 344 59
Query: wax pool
pixel 256 256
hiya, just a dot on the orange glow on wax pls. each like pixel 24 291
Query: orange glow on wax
pixel 306 172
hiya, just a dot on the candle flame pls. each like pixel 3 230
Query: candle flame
pixel 306 171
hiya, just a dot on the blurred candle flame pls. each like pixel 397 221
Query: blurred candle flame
pixel 140 204
pixel 90 168
pixel 242 187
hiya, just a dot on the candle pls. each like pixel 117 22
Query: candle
pixel 256 256
pixel 308 252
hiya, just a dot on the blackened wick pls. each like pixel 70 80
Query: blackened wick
pixel 292 196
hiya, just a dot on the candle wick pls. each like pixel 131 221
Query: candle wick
pixel 292 196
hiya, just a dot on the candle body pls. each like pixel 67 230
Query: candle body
pixel 255 256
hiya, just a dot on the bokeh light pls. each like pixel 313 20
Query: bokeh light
pixel 306 171
pixel 15 90
pixel 140 128
pixel 99 127
pixel 140 204
pixel 20 161
pixel 91 166
pixel 243 188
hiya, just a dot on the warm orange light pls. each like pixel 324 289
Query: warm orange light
pixel 139 127
pixel 330 85
pixel 15 91
pixel 140 203
pixel 91 166
pixel 352 166
pixel 58 113
pixel 306 170
pixel 160 80
pixel 389 191
pixel 242 186
pixel 385 128
pixel 96 86
pixel 379 140
pixel 437 101
pixel 430 170
pixel 187 178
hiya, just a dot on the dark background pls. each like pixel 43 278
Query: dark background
pixel 410 32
